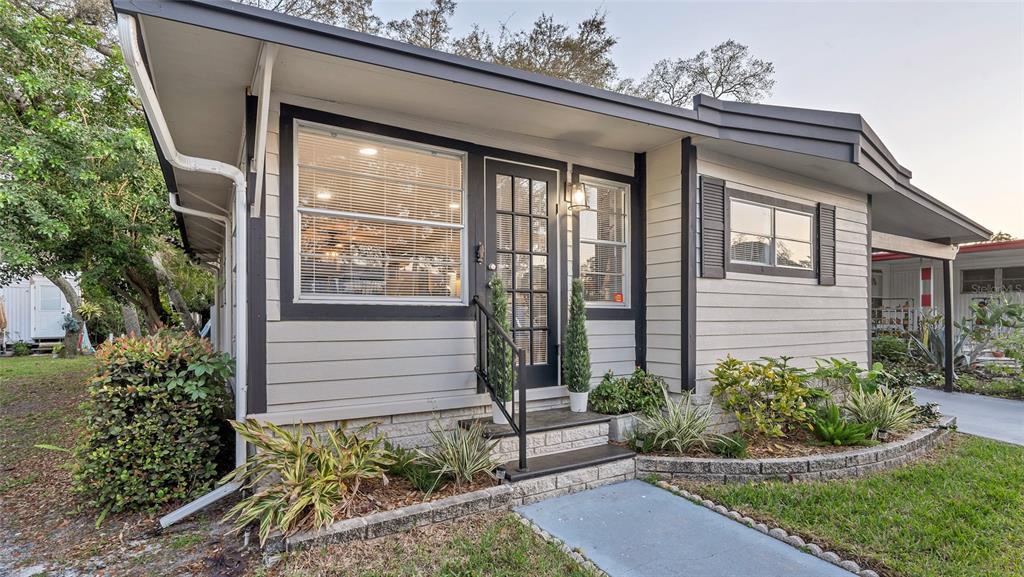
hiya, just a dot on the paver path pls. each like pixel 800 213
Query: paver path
pixel 995 418
pixel 634 529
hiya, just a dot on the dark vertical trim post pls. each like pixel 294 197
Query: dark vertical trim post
pixel 638 252
pixel 947 317
pixel 689 266
pixel 256 259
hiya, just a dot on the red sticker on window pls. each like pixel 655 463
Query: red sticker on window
pixel 618 298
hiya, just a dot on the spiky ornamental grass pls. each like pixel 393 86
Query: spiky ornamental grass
pixel 500 356
pixel 460 454
pixel 576 359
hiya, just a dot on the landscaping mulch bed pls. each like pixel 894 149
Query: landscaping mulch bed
pixel 375 496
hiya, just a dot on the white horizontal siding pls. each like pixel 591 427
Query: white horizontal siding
pixel 612 347
pixel 749 316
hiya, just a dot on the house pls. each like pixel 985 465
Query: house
pixel 904 287
pixel 34 308
pixel 357 193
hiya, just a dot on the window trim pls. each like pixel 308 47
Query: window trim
pixel 997 281
pixel 773 203
pixel 371 300
pixel 635 249
pixel 625 244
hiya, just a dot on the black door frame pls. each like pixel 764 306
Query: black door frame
pixel 536 375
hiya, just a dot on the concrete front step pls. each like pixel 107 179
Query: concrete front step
pixel 548 432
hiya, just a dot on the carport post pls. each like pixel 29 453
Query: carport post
pixel 947 316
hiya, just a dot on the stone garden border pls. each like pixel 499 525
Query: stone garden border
pixel 825 466
pixel 497 498
pixel 775 532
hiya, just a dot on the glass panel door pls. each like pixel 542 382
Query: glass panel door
pixel 521 205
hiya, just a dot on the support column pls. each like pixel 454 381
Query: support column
pixel 947 316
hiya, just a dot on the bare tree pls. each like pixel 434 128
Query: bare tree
pixel 428 27
pixel 550 48
pixel 726 71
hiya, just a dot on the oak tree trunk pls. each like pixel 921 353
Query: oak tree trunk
pixel 71 337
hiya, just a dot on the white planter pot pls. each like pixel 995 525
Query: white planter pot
pixel 578 402
pixel 497 416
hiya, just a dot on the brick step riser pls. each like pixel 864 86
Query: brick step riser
pixel 550 442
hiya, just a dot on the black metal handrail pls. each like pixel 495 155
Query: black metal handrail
pixel 486 325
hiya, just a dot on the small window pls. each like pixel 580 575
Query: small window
pixel 770 236
pixel 604 243
pixel 980 280
pixel 380 221
pixel 1013 279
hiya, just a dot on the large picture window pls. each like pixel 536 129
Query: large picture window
pixel 604 243
pixel 378 220
pixel 770 236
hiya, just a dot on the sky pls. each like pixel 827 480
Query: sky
pixel 941 83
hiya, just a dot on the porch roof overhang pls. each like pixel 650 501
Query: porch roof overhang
pixel 202 57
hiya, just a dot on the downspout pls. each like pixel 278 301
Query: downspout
pixel 128 34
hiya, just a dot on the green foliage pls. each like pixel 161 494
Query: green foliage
pixel 730 446
pixel 1012 344
pixel 409 466
pixel 153 422
pixel 885 409
pixel 768 397
pixel 500 356
pixel 828 425
pixel 460 454
pixel 929 347
pixel 21 349
pixel 299 479
pixel 576 352
pixel 679 427
pixel 641 392
pixel 841 375
pixel 906 374
pixel 889 348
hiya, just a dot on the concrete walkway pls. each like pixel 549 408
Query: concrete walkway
pixel 634 529
pixel 1000 419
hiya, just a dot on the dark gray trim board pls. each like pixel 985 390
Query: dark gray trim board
pixel 689 265
pixel 871 276
pixel 640 272
pixel 475 228
pixel 833 135
pixel 770 270
pixel 256 263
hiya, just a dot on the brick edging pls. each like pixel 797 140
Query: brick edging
pixel 496 498
pixel 815 467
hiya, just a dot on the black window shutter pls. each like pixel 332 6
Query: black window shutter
pixel 712 208
pixel 826 244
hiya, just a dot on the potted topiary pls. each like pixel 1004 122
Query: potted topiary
pixel 499 354
pixel 576 360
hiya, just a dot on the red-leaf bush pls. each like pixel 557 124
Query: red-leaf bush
pixel 154 422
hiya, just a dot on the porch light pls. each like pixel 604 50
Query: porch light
pixel 368 151
pixel 578 197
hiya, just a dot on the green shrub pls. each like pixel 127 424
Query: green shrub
pixel 154 422
pixel 889 348
pixel 460 454
pixel 409 466
pixel 679 427
pixel 768 397
pixel 730 446
pixel 641 392
pixel 839 376
pixel 905 374
pixel 885 409
pixel 301 480
pixel 21 349
pixel 500 356
pixel 829 426
pixel 576 356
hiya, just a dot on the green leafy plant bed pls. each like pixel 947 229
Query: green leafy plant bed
pixel 959 513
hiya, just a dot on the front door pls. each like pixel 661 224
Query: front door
pixel 521 241
pixel 47 311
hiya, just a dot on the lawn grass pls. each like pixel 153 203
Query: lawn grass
pixel 959 514
pixel 486 545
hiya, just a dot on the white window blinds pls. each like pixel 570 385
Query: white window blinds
pixel 378 220
pixel 604 242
